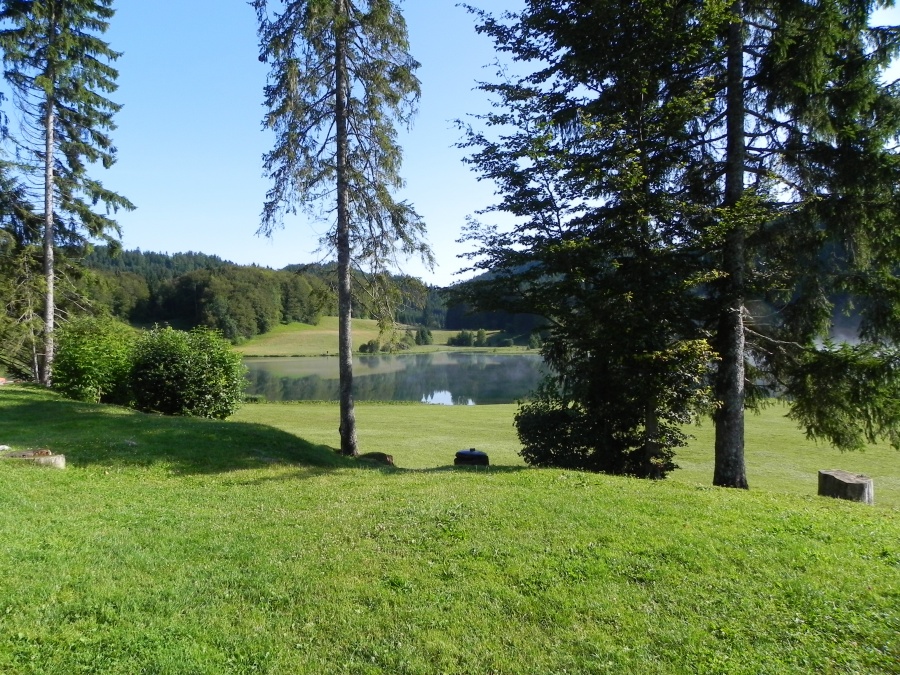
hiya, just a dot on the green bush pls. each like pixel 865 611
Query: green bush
pixel 93 359
pixel 464 338
pixel 424 337
pixel 559 433
pixel 370 347
pixel 192 373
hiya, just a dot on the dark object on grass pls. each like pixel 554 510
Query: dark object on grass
pixel 471 457
pixel 378 457
pixel 846 485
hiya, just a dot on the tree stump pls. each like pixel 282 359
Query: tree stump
pixel 44 457
pixel 846 485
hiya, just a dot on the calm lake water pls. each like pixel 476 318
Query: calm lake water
pixel 448 378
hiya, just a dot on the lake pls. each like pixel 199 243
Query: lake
pixel 446 378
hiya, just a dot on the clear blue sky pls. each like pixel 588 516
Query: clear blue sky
pixel 190 143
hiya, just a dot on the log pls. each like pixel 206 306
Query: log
pixel 845 485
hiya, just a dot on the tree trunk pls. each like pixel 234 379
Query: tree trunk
pixel 46 369
pixel 349 444
pixel 729 419
pixel 651 441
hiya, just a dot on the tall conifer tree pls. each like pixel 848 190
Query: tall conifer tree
pixel 808 182
pixel 607 245
pixel 782 175
pixel 341 80
pixel 59 71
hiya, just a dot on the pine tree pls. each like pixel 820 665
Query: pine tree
pixel 607 245
pixel 770 187
pixel 809 217
pixel 58 69
pixel 341 80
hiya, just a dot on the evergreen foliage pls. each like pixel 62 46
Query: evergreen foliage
pixel 21 280
pixel 697 176
pixel 341 79
pixel 607 245
pixel 193 289
pixel 155 268
pixel 58 70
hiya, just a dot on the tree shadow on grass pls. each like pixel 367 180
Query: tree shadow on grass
pixel 494 468
pixel 88 434
pixel 397 471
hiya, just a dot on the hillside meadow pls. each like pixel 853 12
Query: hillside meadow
pixel 248 546
pixel 321 339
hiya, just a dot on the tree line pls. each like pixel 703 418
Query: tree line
pixel 194 289
pixel 187 290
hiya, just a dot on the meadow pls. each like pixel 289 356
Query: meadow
pixel 301 339
pixel 249 546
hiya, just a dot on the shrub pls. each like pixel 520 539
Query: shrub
pixel 93 359
pixel 192 373
pixel 464 338
pixel 424 337
pixel 481 338
pixel 556 432
pixel 370 347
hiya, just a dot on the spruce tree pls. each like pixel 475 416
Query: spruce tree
pixel 777 168
pixel 809 219
pixel 59 71
pixel 341 80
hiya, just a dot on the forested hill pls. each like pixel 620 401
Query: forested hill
pixel 192 289
pixel 154 267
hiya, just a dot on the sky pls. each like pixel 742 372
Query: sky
pixel 190 141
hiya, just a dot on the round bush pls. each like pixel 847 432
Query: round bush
pixel 192 373
pixel 93 358
pixel 370 347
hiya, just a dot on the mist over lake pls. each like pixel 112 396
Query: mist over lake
pixel 448 378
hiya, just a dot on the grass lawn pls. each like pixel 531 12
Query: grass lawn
pixel 300 339
pixel 779 458
pixel 248 546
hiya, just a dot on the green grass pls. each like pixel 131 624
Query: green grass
pixel 300 339
pixel 248 546
pixel 779 458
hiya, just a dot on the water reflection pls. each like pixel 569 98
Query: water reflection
pixel 446 398
pixel 445 378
